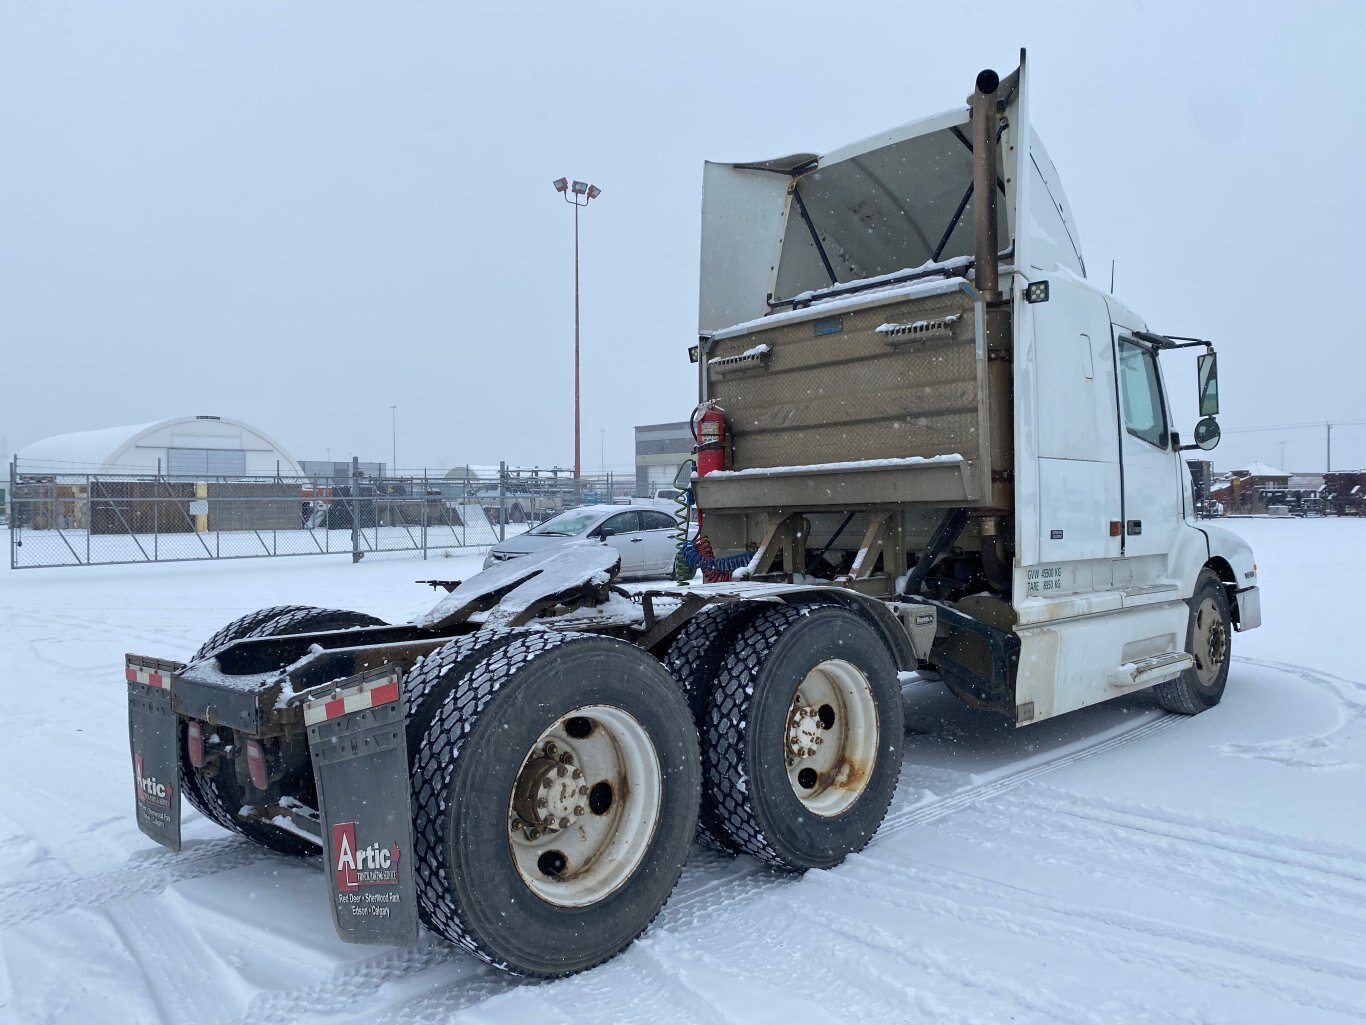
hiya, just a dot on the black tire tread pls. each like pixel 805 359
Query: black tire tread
pixel 433 768
pixel 433 677
pixel 726 771
pixel 242 627
pixel 694 659
pixel 1182 695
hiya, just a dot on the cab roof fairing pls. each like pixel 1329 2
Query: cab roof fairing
pixel 881 205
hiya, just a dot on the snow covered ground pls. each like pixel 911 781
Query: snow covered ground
pixel 1115 865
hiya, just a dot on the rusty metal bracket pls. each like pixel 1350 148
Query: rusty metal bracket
pixel 885 538
pixel 782 537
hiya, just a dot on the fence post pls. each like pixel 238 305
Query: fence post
pixel 502 501
pixel 355 509
pixel 425 496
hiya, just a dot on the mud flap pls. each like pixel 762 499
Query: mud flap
pixel 360 763
pixel 154 736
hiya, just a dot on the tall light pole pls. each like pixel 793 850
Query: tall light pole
pixel 393 435
pixel 577 194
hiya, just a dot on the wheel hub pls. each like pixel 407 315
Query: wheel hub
pixel 1218 644
pixel 584 805
pixel 550 794
pixel 1211 641
pixel 803 730
pixel 831 741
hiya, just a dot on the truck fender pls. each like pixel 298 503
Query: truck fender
pixel 875 611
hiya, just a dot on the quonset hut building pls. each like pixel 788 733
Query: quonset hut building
pixel 198 447
pixel 189 474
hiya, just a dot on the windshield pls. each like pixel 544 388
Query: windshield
pixel 567 524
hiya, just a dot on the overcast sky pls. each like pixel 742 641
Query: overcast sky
pixel 301 214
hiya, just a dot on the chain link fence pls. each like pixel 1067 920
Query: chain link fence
pixel 82 519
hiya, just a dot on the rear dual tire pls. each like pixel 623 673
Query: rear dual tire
pixel 803 736
pixel 539 872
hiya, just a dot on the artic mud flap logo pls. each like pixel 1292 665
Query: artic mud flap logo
pixel 155 808
pixel 356 867
pixel 150 790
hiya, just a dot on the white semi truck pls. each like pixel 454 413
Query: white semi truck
pixel 926 442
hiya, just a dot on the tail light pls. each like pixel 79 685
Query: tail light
pixel 256 764
pixel 194 740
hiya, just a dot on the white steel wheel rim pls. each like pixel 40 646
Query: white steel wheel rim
pixel 577 835
pixel 1211 641
pixel 831 738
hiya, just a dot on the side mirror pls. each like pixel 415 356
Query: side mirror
pixel 602 533
pixel 1207 369
pixel 1207 432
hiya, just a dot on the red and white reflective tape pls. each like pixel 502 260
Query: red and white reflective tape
pixel 140 674
pixel 371 694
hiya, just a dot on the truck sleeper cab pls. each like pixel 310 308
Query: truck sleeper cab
pixel 928 402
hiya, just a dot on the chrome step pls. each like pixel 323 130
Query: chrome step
pixel 1145 672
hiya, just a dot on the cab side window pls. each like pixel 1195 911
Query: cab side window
pixel 1140 392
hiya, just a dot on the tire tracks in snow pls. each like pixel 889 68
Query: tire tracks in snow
pixel 1217 868
pixel 1204 956
pixel 900 821
pixel 34 899
pixel 1337 863
pixel 703 894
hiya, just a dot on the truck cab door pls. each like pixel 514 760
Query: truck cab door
pixel 1149 464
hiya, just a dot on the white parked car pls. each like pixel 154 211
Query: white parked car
pixel 644 536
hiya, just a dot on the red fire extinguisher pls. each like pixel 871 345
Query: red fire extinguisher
pixel 712 437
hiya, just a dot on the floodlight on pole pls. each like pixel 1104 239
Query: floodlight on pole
pixel 572 193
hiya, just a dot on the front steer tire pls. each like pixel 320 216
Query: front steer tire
pixel 497 890
pixel 795 673
pixel 1209 632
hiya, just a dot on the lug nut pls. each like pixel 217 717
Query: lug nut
pixel 550 747
pixel 516 823
pixel 561 771
pixel 534 834
pixel 820 740
pixel 583 790
pixel 577 774
pixel 564 823
pixel 542 803
pixel 567 758
pixel 578 809
pixel 547 783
